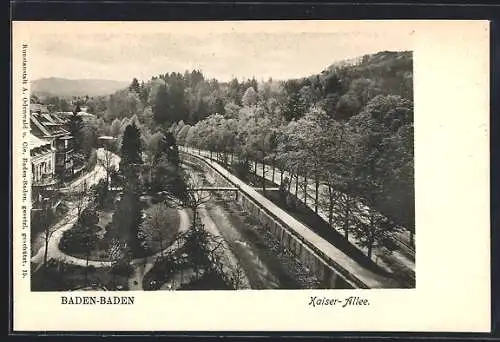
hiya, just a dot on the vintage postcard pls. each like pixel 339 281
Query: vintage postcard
pixel 251 176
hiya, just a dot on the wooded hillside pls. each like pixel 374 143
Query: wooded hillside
pixel 350 127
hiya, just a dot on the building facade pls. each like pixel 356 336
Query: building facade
pixel 42 155
pixel 50 127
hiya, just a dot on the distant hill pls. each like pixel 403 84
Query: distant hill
pixel 63 87
pixel 392 71
pixel 377 59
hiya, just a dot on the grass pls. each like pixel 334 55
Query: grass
pixel 162 270
pixel 291 272
pixel 100 253
pixel 208 281
pixel 252 179
pixel 66 277
pixel 309 218
pixel 170 229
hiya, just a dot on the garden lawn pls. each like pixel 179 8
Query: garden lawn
pixel 66 277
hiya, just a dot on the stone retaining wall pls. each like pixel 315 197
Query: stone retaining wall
pixel 328 276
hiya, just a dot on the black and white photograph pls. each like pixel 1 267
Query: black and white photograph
pixel 221 160
pixel 251 176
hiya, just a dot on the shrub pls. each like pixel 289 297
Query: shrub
pixel 122 268
pixel 78 240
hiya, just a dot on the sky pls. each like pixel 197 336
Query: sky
pixel 222 50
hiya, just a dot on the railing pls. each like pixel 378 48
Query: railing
pixel 45 180
pixel 344 273
pixel 402 239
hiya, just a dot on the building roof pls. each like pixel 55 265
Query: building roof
pixel 58 118
pixel 37 107
pixel 37 142
pixel 47 125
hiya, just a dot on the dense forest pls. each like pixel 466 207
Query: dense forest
pixel 349 127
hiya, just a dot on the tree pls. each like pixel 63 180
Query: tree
pixel 80 196
pixel 168 146
pixel 177 96
pixel 135 86
pixel 155 227
pixel 190 196
pixel 197 244
pixel 115 128
pixel 294 107
pixel 127 219
pixel 89 139
pixel 302 146
pixel 250 97
pixel 162 107
pixel 121 104
pixel 82 238
pixel 131 148
pixel 231 110
pixel 259 142
pixel 233 91
pixel 387 123
pixel 45 219
pixel 107 161
pixel 100 191
pixel 75 127
pixel 118 253
pixel 201 112
pixel 89 217
pixel 182 134
pixel 347 106
pixel 219 106
pixel 166 177
pixel 117 250
pixel 237 278
pixel 378 146
pixel 399 184
pixel 374 230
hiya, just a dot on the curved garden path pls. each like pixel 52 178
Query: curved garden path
pixel 141 265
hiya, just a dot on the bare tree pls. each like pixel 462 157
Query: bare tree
pixel 237 278
pixel 107 161
pixel 45 219
pixel 155 226
pixel 80 197
pixel 193 196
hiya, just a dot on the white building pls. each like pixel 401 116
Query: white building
pixel 43 159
